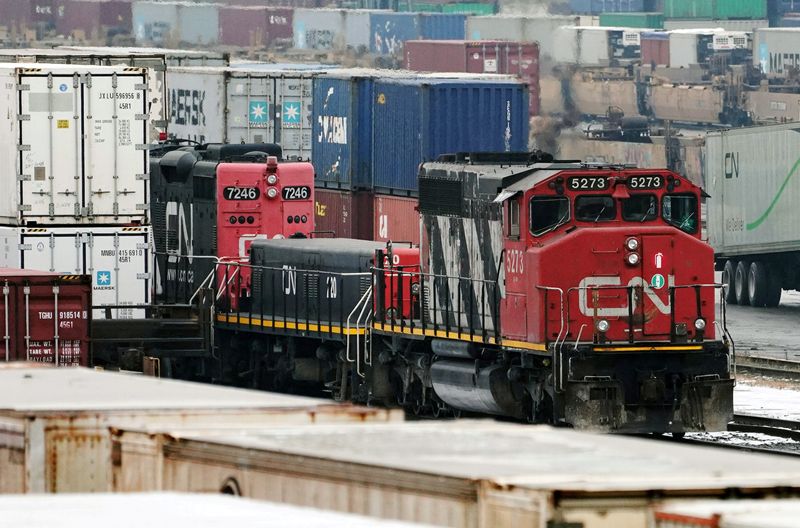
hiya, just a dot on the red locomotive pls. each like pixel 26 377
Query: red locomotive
pixel 545 291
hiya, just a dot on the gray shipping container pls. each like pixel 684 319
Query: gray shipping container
pixel 467 473
pixel 55 423
pixel 753 216
pixel 155 23
pixel 539 29
pixel 331 29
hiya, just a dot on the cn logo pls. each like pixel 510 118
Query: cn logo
pixel 596 284
pixel 383 226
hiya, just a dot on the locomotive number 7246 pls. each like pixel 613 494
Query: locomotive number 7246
pixel 241 193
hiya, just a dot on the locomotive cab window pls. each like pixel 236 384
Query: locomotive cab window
pixel 513 218
pixel 680 210
pixel 595 208
pixel 547 213
pixel 639 208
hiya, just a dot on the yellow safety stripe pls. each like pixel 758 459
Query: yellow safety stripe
pixel 289 325
pixel 655 348
pixel 429 332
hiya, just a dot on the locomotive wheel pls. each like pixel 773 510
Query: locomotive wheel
pixel 728 279
pixel 740 283
pixel 775 289
pixel 758 282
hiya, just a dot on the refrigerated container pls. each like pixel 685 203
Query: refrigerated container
pixel 196 103
pixel 45 317
pixel 75 144
pixel 258 26
pixel 56 424
pixel 486 56
pixel 752 212
pixel 597 46
pixel 118 260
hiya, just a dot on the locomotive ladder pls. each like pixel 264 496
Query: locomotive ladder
pixel 362 312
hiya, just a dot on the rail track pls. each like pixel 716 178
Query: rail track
pixel 756 434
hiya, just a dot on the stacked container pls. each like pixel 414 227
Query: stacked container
pixel 732 15
pixel 540 29
pixel 167 23
pixel 596 7
pixel 92 20
pixel 254 26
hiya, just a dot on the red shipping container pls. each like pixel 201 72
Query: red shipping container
pixel 254 26
pixel 478 56
pixel 93 18
pixel 45 317
pixel 655 49
pixel 366 216
pixel 21 15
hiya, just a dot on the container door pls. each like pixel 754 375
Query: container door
pixel 119 263
pixel 251 106
pixel 294 98
pixel 56 321
pixel 116 136
pixel 48 250
pixel 50 146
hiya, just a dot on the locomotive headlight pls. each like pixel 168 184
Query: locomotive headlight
pixel 700 324
pixel 632 259
pixel 272 192
pixel 272 179
pixel 602 326
pixel 632 244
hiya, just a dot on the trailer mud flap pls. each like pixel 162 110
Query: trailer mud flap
pixel 706 405
pixel 595 405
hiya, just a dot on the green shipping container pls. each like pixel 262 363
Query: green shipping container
pixel 469 8
pixel 633 20
pixel 716 9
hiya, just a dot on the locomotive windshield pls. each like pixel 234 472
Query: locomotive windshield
pixel 547 213
pixel 640 208
pixel 680 210
pixel 594 208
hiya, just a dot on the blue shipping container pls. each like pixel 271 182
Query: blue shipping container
pixel 388 31
pixel 435 26
pixel 596 7
pixel 419 119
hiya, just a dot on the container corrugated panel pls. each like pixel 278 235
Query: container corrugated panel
pixel 196 103
pixel 198 24
pixel 655 48
pixel 596 7
pixel 395 219
pixel 336 131
pixel 775 50
pixel 388 31
pixel 89 19
pixel 713 9
pixel 418 120
pixel 442 27
pixel 753 209
pixel 638 20
pixel 47 318
pixel 155 23
pixel 539 29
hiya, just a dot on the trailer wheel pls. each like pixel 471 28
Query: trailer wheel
pixel 740 283
pixel 728 276
pixel 758 284
pixel 775 287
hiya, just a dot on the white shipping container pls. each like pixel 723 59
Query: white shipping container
pixel 753 205
pixel 196 103
pixel 726 24
pixel 587 46
pixel 271 107
pixel 331 28
pixel 776 50
pixel 75 143
pixel 539 29
pixel 117 258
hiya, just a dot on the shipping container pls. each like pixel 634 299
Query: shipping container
pixel 196 103
pixel 791 20
pixel 716 9
pixel 417 120
pixel 254 26
pixel 337 29
pixel 596 46
pixel 687 103
pixel 698 46
pixel 655 48
pixel 447 26
pixel 118 259
pixel 766 513
pixel 540 29
pixel 389 30
pixel 284 98
pixel 45 317
pixel 471 473
pixel 75 143
pixel 55 423
pixel 772 107
pixel 170 23
pixel 22 16
pixel 93 20
pixel 727 25
pixel 597 7
pixel 176 510
pixel 366 216
pixel 505 57
pixel 172 57
pixel 776 50
pixel 637 20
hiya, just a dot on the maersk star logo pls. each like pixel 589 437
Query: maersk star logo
pixel 258 113
pixel 103 278
pixel 291 114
